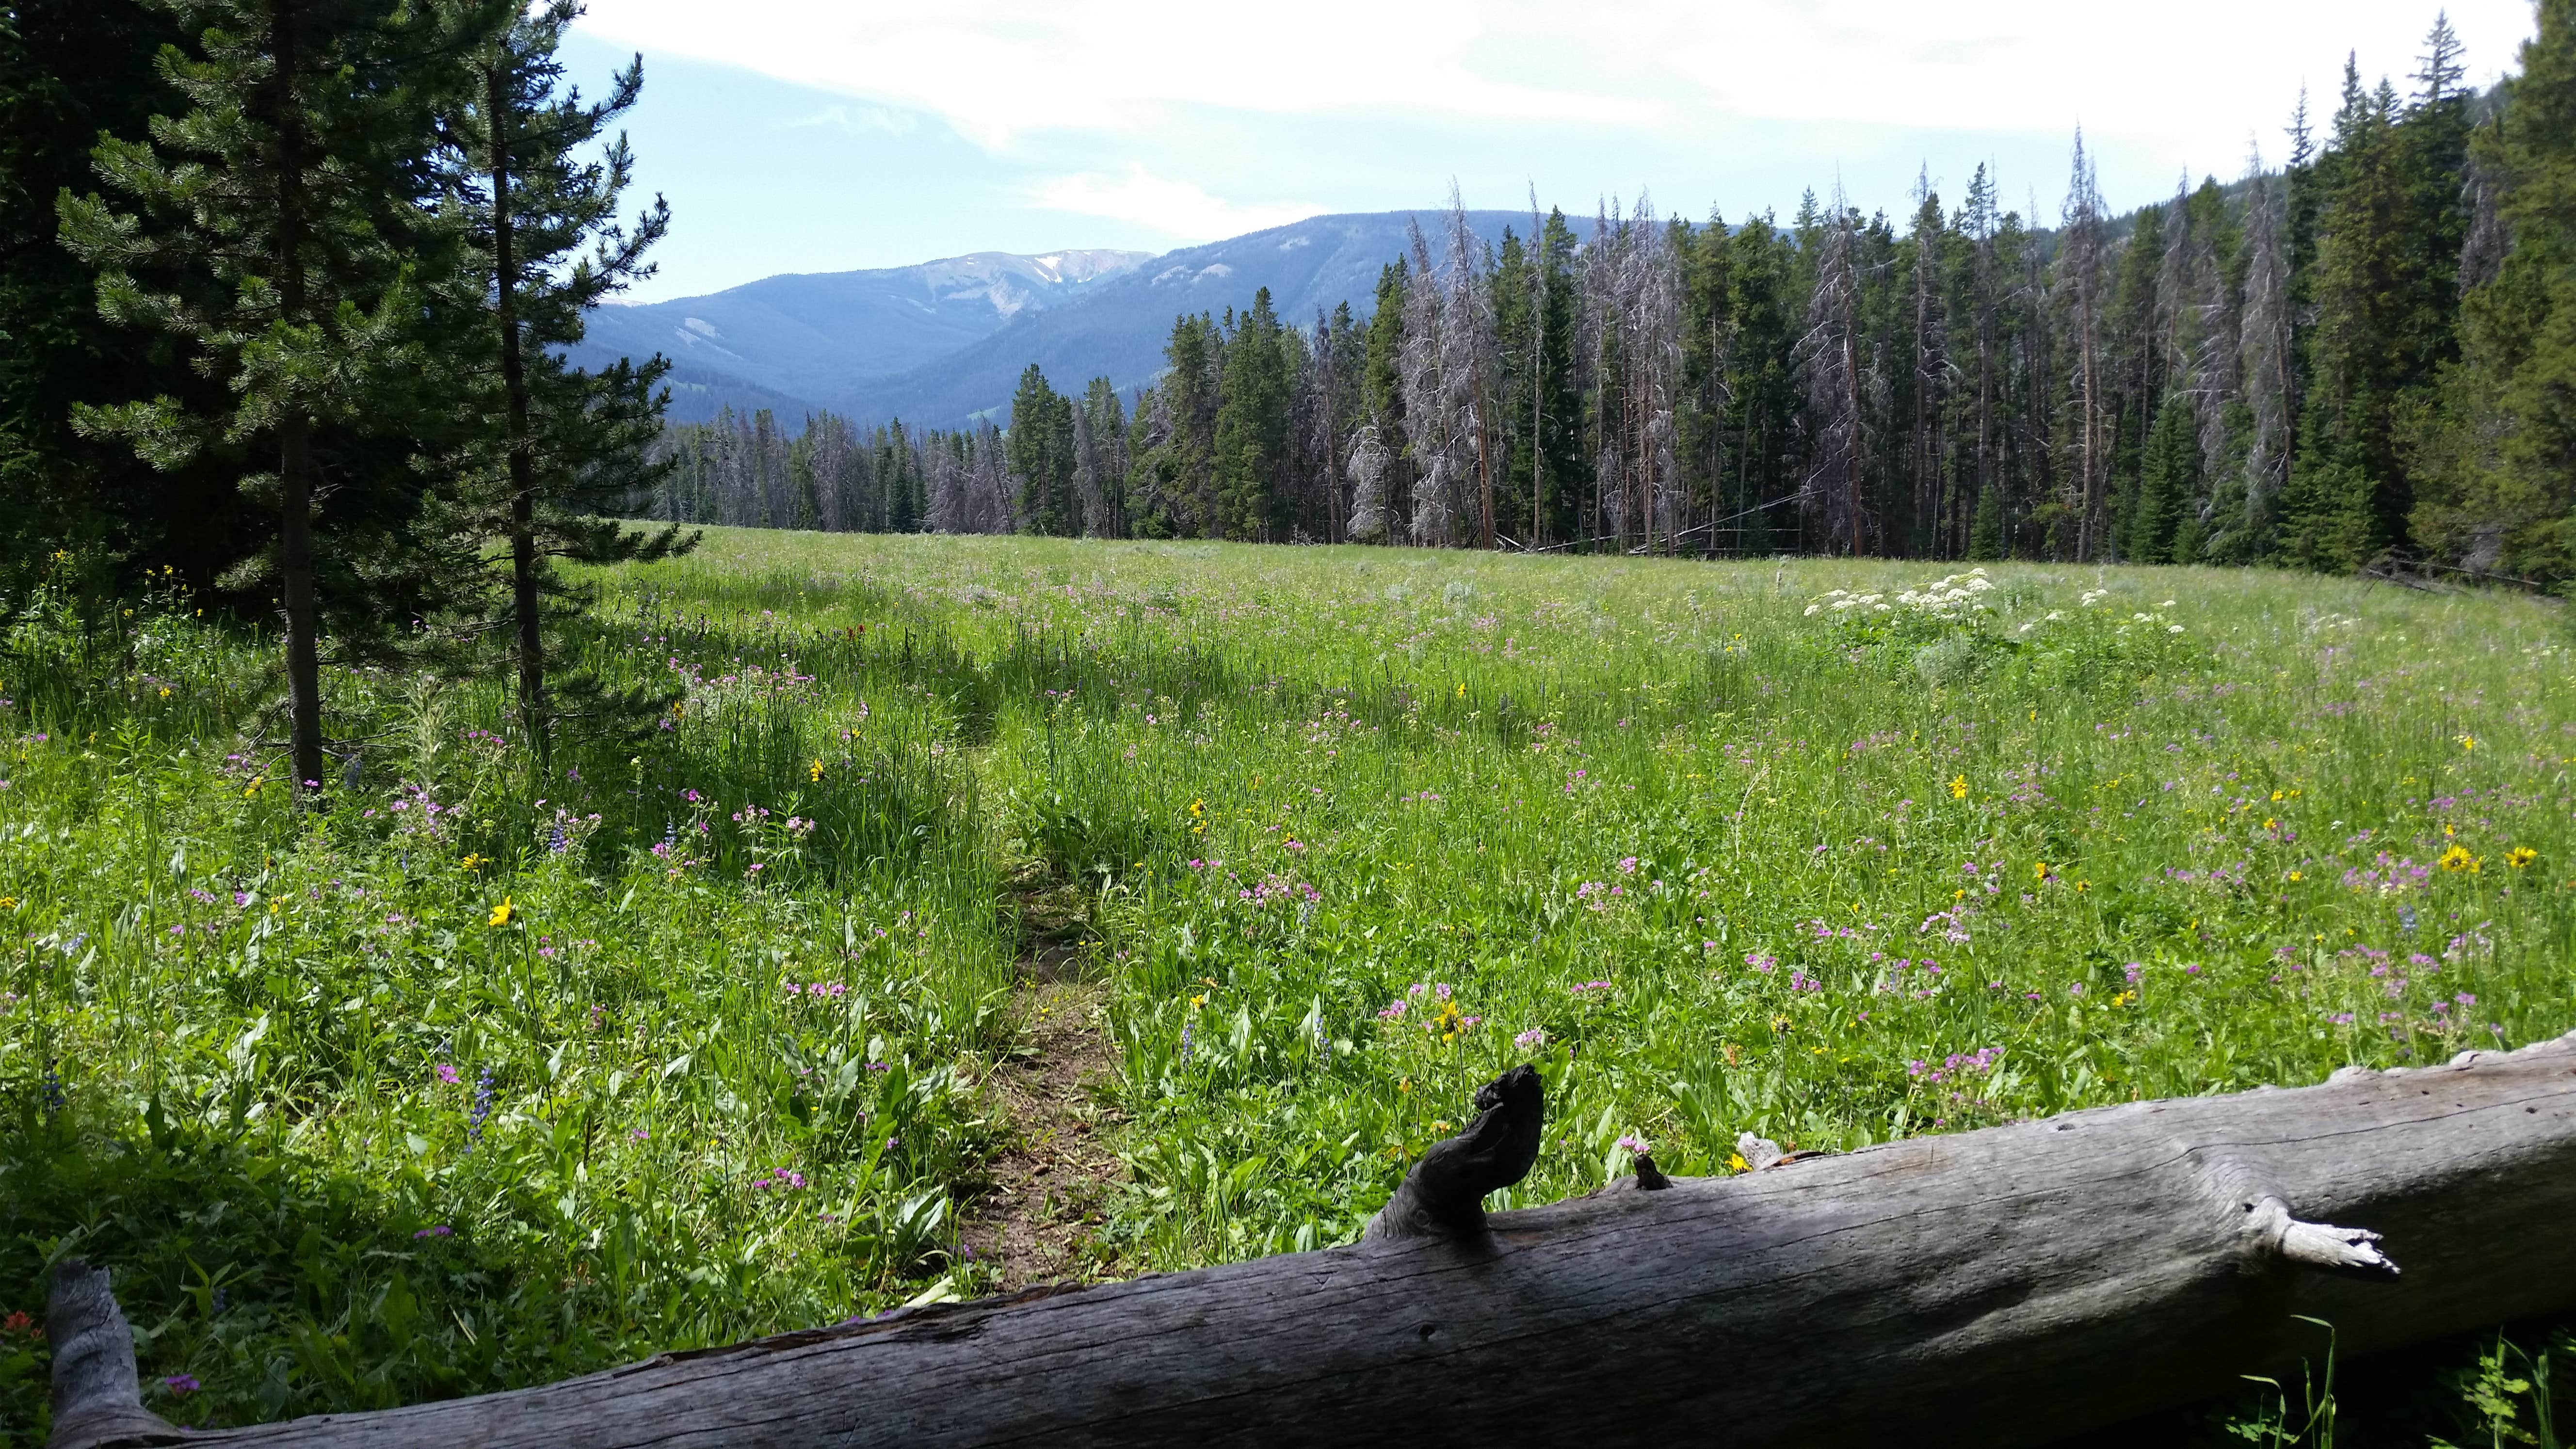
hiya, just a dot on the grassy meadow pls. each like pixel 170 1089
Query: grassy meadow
pixel 477 1078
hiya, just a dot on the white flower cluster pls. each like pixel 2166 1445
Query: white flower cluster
pixel 2091 597
pixel 1945 598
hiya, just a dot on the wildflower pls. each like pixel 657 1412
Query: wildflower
pixel 502 913
pixel 441 1230
pixel 447 1075
pixel 814 772
pixel 2468 742
pixel 1735 1162
pixel 2040 869
pixel 482 1110
pixel 2457 859
pixel 1633 1143
pixel 2521 856
pixel 181 1385
pixel 1958 787
pixel 1530 1040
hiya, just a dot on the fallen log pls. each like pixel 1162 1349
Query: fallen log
pixel 2007 1286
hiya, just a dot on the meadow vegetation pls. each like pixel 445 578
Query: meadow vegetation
pixel 478 1075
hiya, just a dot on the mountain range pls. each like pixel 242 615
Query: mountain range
pixel 942 343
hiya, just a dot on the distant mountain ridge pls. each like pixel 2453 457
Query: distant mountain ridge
pixel 792 342
pixel 941 343
pixel 1118 331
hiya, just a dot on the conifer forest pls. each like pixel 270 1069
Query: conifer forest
pixel 2342 358
pixel 498 884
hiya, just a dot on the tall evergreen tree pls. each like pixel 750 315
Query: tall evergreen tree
pixel 1040 446
pixel 1250 439
pixel 541 214
pixel 297 183
pixel 2504 461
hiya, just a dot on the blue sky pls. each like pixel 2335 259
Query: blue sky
pixel 827 135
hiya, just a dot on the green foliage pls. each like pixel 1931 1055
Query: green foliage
pixel 1713 862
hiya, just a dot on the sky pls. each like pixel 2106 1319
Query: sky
pixel 834 135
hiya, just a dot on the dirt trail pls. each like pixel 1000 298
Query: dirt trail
pixel 1053 1174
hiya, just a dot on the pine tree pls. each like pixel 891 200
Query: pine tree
pixel 297 184
pixel 70 71
pixel 2391 227
pixel 541 215
pixel 2505 457
pixel 1040 447
pixel 1250 439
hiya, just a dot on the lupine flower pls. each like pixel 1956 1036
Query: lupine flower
pixel 482 1110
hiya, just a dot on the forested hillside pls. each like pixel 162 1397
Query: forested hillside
pixel 2361 357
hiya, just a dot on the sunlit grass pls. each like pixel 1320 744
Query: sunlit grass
pixel 1714 863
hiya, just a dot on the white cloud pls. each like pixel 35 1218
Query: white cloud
pixel 860 121
pixel 2192 76
pixel 999 68
pixel 1177 209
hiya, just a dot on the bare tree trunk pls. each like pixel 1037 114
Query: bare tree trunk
pixel 295 436
pixel 2009 1286
pixel 525 604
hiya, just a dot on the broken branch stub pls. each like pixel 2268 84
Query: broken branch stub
pixel 1444 1195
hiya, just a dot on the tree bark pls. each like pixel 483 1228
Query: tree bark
pixel 296 589
pixel 2009 1286
pixel 526 605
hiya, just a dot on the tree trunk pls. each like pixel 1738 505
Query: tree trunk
pixel 295 435
pixel 525 605
pixel 2008 1286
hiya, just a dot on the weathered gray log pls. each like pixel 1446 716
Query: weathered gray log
pixel 97 1398
pixel 2008 1286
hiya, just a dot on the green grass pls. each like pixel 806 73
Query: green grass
pixel 1715 863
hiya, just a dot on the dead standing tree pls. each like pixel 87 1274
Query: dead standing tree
pixel 2081 267
pixel 1829 359
pixel 2008 1286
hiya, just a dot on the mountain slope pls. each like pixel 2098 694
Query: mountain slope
pixel 803 339
pixel 1117 329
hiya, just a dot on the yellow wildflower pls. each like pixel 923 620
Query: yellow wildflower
pixel 2457 859
pixel 476 862
pixel 1735 1162
pixel 502 913
pixel 814 772
pixel 1958 787
pixel 2520 856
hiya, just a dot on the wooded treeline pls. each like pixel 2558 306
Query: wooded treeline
pixel 2367 355
pixel 285 287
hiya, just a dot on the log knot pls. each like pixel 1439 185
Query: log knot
pixel 1444 1195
